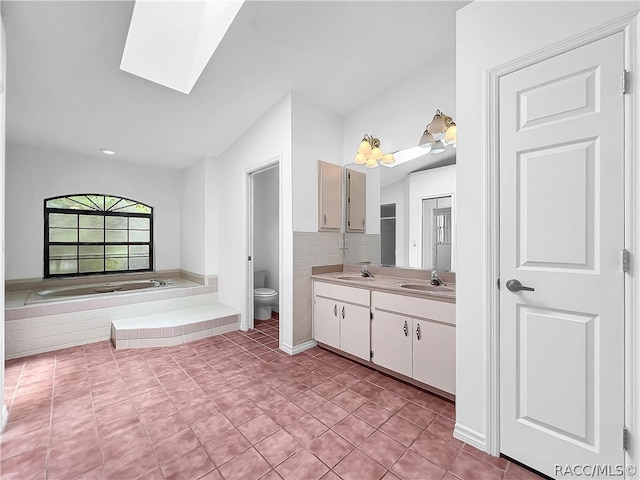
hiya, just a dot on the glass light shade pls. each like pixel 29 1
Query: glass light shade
pixel 426 140
pixel 388 158
pixel 437 124
pixel 450 134
pixel 376 153
pixel 371 163
pixel 438 147
pixel 364 148
pixel 360 159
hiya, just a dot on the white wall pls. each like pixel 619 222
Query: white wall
pixel 211 224
pixel 266 140
pixel 266 227
pixel 192 219
pixel 33 174
pixel 316 135
pixel 3 96
pixel 490 34
pixel 436 182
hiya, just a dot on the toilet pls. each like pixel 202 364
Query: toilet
pixel 263 298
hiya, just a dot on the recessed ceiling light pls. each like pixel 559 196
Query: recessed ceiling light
pixel 106 151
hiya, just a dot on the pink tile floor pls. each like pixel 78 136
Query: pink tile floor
pixel 229 407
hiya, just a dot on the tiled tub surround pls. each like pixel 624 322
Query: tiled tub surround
pixel 229 407
pixel 75 321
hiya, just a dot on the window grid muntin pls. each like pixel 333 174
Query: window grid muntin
pixel 105 214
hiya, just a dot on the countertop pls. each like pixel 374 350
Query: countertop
pixel 413 287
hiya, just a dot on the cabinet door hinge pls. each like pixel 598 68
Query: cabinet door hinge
pixel 498 283
pixel 370 315
pixel 626 260
pixel 625 439
pixel 624 81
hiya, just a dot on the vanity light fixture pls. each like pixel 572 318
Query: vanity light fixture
pixel 370 155
pixel 440 132
pixel 106 151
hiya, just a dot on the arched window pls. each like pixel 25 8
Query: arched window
pixel 88 234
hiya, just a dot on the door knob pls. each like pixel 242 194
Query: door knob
pixel 514 285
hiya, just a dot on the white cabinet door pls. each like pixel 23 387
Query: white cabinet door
pixel 391 341
pixel 326 324
pixel 354 330
pixel 356 201
pixel 329 196
pixel 434 354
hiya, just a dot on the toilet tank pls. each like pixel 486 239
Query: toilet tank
pixel 259 277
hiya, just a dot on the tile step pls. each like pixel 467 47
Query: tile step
pixel 174 327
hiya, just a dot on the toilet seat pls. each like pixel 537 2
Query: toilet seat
pixel 264 292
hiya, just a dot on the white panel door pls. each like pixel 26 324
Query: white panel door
pixel 562 234
pixel 354 330
pixel 391 341
pixel 326 323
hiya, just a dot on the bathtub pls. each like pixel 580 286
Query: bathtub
pixel 97 289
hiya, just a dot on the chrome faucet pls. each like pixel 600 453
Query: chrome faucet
pixel 365 272
pixel 435 280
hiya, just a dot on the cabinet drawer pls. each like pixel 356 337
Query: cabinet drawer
pixel 342 293
pixel 415 307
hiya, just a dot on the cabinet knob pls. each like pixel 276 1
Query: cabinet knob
pixel 343 312
pixel 405 329
pixel 335 310
pixel 418 334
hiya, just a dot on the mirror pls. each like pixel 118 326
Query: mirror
pixel 410 212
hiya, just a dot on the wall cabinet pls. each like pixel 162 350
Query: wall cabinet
pixel 341 318
pixel 329 196
pixel 415 337
pixel 356 201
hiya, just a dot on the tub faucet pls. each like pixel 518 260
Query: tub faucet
pixel 435 280
pixel 365 272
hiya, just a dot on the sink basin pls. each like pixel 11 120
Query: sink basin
pixel 425 287
pixel 357 278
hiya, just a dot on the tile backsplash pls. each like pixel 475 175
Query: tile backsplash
pixel 310 249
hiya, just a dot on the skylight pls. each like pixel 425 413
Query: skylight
pixel 170 42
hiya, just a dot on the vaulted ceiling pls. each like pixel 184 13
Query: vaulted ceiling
pixel 65 90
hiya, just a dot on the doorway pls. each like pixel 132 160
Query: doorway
pixel 264 245
pixel 561 235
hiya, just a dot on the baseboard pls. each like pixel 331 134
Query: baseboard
pixel 5 418
pixel 298 348
pixel 470 436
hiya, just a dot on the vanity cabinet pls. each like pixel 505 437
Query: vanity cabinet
pixel 329 196
pixel 341 318
pixel 414 337
pixel 356 201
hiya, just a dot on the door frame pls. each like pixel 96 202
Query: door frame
pixel 421 229
pixel 247 323
pixel 627 24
